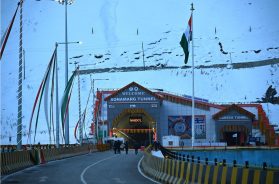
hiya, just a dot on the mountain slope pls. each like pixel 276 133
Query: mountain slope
pixel 115 33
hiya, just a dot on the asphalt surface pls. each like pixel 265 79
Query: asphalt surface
pixel 98 167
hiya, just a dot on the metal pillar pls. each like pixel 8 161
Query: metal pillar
pixel 94 119
pixel 193 80
pixel 66 72
pixel 57 97
pixel 79 110
pixel 19 97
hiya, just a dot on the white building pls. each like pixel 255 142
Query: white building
pixel 142 115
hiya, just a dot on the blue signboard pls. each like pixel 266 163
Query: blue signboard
pixel 182 126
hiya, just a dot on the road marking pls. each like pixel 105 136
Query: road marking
pixel 43 179
pixel 144 174
pixel 118 180
pixel 83 172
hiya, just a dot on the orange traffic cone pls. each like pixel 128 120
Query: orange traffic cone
pixel 42 157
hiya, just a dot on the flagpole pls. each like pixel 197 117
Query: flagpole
pixel 193 79
pixel 56 97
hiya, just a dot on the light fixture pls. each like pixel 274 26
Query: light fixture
pixel 69 2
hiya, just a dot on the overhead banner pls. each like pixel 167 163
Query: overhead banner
pixel 182 126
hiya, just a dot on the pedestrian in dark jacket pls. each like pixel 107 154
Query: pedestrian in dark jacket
pixel 114 146
pixel 126 147
pixel 136 147
pixel 118 146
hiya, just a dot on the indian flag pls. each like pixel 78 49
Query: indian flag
pixel 186 38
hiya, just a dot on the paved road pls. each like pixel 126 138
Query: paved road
pixel 99 168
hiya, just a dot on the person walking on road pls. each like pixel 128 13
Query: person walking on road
pixel 115 147
pixel 136 147
pixel 118 146
pixel 126 147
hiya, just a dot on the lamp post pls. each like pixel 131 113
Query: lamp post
pixel 66 2
pixel 56 103
pixel 57 110
pixel 97 130
pixel 79 104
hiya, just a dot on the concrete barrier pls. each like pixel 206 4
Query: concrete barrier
pixel 16 160
pixel 48 154
pixel 177 172
pixel 92 148
pixel 103 147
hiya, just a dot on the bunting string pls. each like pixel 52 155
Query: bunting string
pixel 5 37
pixel 38 99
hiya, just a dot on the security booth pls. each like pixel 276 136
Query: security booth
pixel 233 125
pixel 133 114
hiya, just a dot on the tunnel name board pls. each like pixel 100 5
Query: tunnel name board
pixel 133 99
pixel 133 94
pixel 135 119
pixel 234 117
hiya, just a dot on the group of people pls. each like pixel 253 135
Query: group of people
pixel 118 145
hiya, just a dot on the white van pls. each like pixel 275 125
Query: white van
pixel 121 139
pixel 171 141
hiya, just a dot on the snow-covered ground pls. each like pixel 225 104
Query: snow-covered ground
pixel 113 31
pixel 157 154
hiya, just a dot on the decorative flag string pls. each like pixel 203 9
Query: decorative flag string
pixel 5 37
pixel 37 103
pixel 66 111
pixel 38 112
pixel 85 110
pixel 77 125
pixel 66 100
pixel 51 99
pixel 46 101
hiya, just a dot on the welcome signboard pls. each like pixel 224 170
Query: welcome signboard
pixel 133 94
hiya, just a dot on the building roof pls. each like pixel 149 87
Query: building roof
pixel 187 101
pixel 236 108
pixel 248 105
pixel 160 97
pixel 168 97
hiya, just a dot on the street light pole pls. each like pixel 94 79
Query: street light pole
pixel 97 122
pixel 66 71
pixel 57 106
pixel 56 91
pixel 66 64
pixel 193 80
pixel 79 106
